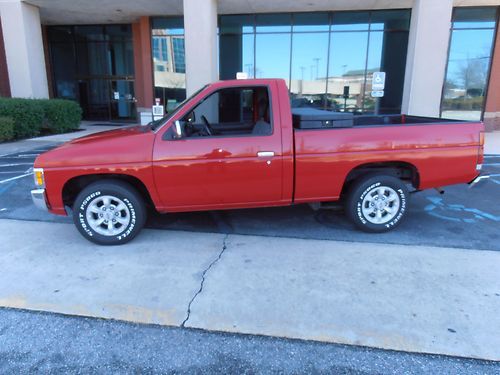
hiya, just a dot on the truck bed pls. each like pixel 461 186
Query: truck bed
pixel 311 118
pixel 444 152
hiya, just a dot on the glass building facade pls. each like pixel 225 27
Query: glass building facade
pixel 469 59
pixel 327 59
pixel 169 60
pixel 95 66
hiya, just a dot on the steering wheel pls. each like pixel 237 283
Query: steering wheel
pixel 206 125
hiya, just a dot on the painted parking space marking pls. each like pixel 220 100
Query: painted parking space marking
pixel 15 178
pixel 14 164
pixel 448 211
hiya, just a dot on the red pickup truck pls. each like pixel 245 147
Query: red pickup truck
pixel 238 144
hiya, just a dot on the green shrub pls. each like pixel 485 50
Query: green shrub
pixel 31 116
pixel 28 115
pixel 61 115
pixel 6 129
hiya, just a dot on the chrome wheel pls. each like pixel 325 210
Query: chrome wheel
pixel 108 215
pixel 380 205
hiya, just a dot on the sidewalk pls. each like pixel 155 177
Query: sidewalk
pixel 410 298
pixel 28 144
pixel 492 143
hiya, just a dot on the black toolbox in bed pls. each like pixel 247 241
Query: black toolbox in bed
pixel 312 118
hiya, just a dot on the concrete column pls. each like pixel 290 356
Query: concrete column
pixel 24 53
pixel 200 32
pixel 427 56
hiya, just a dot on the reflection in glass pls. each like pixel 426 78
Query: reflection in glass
pixel 346 73
pixel 169 61
pixel 374 64
pixel 390 20
pixel 309 60
pixel 319 71
pixel 467 74
pixel 310 22
pixel 273 23
pixel 272 55
pixel 236 55
pixel 350 21
pixel 467 18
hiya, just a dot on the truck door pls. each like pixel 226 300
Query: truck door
pixel 230 154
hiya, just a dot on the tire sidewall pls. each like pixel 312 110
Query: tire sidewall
pixel 360 191
pixel 127 195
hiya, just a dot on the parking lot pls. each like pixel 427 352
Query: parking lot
pixel 462 217
pixel 430 286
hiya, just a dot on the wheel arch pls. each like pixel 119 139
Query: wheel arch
pixel 75 185
pixel 400 169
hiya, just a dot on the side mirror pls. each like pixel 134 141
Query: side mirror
pixel 191 118
pixel 177 130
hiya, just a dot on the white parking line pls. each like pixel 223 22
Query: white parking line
pixel 15 178
pixel 14 164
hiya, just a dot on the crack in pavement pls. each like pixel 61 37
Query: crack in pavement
pixel 203 277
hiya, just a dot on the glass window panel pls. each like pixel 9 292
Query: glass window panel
pixel 236 24
pixel 466 18
pixel 350 21
pixel 169 61
pixel 310 22
pixel 309 61
pixel 64 68
pixel 467 74
pixel 89 33
pixel 119 32
pixel 374 64
pixel 273 56
pixel 390 20
pixel 93 59
pixel 236 55
pixel 169 25
pixel 60 34
pixel 122 58
pixel 273 23
pixel 347 69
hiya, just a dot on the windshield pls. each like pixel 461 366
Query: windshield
pixel 157 123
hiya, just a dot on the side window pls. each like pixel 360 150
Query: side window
pixel 232 111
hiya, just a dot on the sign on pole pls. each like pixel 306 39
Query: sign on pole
pixel 378 81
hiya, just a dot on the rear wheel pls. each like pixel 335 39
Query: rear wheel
pixel 377 203
pixel 109 212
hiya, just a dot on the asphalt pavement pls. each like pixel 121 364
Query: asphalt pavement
pixel 462 217
pixel 32 342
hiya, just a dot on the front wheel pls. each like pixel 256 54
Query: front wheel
pixel 377 203
pixel 109 212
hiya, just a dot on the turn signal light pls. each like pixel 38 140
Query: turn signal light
pixel 38 174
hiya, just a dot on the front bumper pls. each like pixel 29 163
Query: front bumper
pixel 479 180
pixel 39 199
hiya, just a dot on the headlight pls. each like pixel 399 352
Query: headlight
pixel 38 176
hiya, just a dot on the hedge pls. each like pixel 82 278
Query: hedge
pixel 6 129
pixel 28 116
pixel 32 116
pixel 62 115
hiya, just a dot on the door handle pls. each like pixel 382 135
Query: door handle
pixel 265 154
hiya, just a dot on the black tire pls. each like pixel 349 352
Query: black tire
pixel 132 212
pixel 392 209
